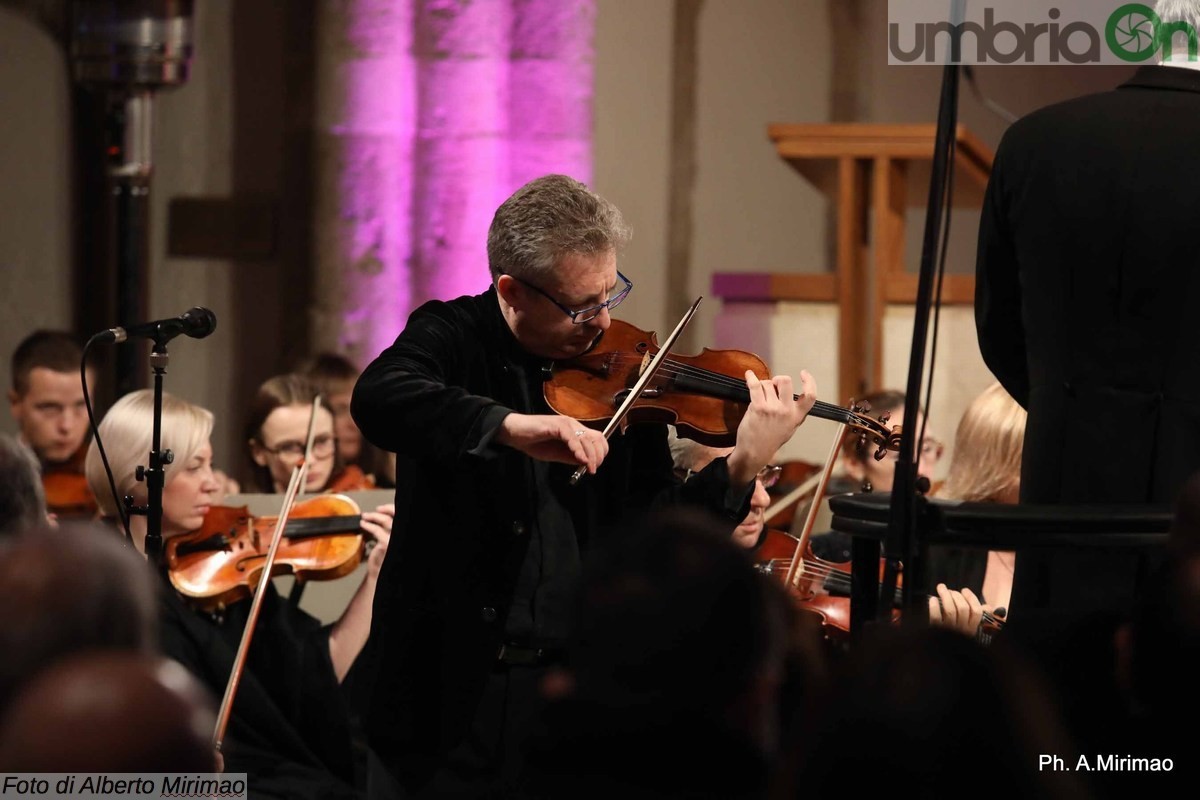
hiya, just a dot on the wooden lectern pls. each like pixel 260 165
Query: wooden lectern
pixel 877 171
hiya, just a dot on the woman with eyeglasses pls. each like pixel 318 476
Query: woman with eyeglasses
pixel 276 432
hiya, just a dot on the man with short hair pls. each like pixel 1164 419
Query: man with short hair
pixel 476 600
pixel 46 400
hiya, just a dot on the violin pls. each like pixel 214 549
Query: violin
pixel 68 495
pixel 221 562
pixel 824 587
pixel 703 396
pixel 350 478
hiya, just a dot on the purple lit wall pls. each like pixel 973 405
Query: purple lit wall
pixel 430 113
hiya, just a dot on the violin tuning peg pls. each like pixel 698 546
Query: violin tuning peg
pixel 881 452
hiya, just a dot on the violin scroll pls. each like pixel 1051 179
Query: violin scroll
pixel 871 431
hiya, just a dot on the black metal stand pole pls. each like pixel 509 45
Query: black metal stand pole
pixel 902 545
pixel 155 475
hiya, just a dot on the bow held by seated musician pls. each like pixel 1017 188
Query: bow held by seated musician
pixel 290 728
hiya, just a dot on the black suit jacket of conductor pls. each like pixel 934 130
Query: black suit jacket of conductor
pixel 1088 312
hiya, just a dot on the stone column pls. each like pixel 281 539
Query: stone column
pixel 365 113
pixel 461 154
pixel 550 89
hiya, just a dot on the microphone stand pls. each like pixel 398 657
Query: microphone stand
pixel 155 476
pixel 902 546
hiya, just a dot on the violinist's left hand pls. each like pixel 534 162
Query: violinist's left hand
pixel 378 525
pixel 770 421
pixel 960 611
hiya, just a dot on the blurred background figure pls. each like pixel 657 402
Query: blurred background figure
pixel 68 591
pixel 926 712
pixel 335 376
pixel 22 502
pixel 110 712
pixel 672 683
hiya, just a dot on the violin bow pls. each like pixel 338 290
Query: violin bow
pixel 797 566
pixel 794 496
pixel 299 475
pixel 647 375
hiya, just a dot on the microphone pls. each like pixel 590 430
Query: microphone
pixel 196 323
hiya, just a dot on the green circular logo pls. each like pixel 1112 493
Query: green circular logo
pixel 1131 32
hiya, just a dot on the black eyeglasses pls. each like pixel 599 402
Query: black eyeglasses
pixel 322 446
pixel 769 475
pixel 591 312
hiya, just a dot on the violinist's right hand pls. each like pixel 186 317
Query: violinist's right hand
pixel 553 437
pixel 769 422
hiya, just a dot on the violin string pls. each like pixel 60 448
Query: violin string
pixel 834 578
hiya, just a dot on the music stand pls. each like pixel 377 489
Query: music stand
pixel 988 526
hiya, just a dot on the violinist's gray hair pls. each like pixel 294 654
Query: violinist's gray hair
pixel 1171 13
pixel 689 455
pixel 546 219
pixel 22 499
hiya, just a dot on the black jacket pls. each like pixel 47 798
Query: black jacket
pixel 1088 280
pixel 463 514
pixel 290 728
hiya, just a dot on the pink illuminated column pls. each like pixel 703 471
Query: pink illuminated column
pixel 364 190
pixel 550 89
pixel 430 113
pixel 461 152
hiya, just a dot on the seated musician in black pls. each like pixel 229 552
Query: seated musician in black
pixel 290 726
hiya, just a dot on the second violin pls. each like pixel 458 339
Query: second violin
pixel 221 562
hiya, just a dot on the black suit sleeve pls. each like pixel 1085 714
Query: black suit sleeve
pixel 998 292
pixel 407 402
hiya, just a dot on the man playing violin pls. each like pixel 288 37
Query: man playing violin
pixel 475 599
pixel 46 400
